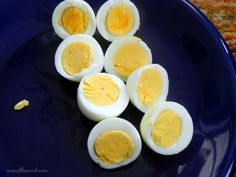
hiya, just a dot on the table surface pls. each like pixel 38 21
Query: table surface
pixel 222 13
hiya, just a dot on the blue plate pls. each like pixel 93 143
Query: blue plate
pixel 49 137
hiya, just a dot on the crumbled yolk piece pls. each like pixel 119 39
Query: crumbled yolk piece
pixel 76 57
pixel 128 58
pixel 167 128
pixel 74 20
pixel 120 20
pixel 149 86
pixel 113 146
pixel 101 90
pixel 21 105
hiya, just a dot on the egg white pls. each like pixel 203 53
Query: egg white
pixel 149 119
pixel 83 5
pixel 98 113
pixel 132 85
pixel 115 45
pixel 98 57
pixel 114 124
pixel 102 15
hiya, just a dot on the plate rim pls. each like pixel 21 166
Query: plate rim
pixel 227 168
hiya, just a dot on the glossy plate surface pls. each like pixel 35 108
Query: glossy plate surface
pixel 51 134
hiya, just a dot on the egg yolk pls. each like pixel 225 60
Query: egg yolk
pixel 149 86
pixel 74 20
pixel 119 20
pixel 113 146
pixel 101 90
pixel 76 57
pixel 128 58
pixel 20 105
pixel 167 128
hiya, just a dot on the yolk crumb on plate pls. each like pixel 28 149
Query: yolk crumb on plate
pixel 20 105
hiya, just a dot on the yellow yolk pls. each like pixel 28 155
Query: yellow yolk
pixel 101 90
pixel 120 20
pixel 167 128
pixel 149 86
pixel 74 20
pixel 113 146
pixel 21 105
pixel 128 58
pixel 76 57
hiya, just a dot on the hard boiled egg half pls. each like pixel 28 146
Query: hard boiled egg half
pixel 125 55
pixel 77 56
pixel 73 17
pixel 117 18
pixel 167 128
pixel 147 86
pixel 113 143
pixel 101 96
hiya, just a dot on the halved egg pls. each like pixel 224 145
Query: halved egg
pixel 117 18
pixel 167 128
pixel 101 96
pixel 73 17
pixel 147 86
pixel 113 143
pixel 125 55
pixel 77 56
